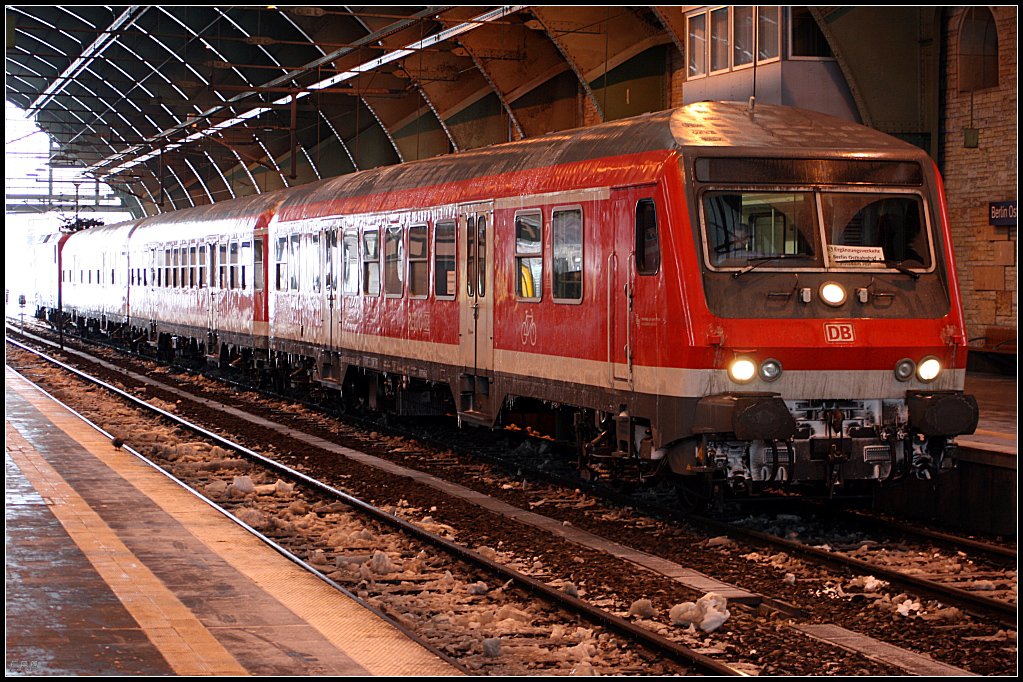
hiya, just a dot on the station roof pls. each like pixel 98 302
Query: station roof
pixel 178 106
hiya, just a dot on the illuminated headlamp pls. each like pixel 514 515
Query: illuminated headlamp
pixel 833 294
pixel 928 369
pixel 742 370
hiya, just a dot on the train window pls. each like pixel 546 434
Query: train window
pixel 176 267
pixel 866 228
pixel 295 262
pixel 202 266
pixel 418 261
pixel 529 256
pixel 745 225
pixel 567 257
pixel 193 263
pixel 235 280
pixel 394 265
pixel 648 249
pixel 371 262
pixel 257 269
pixel 223 267
pixel 444 260
pixel 481 255
pixel 246 258
pixel 213 265
pixel 470 256
pixel 330 260
pixel 350 262
pixel 281 264
pixel 313 268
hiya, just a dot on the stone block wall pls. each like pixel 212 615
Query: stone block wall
pixel 987 255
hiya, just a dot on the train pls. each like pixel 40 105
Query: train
pixel 733 295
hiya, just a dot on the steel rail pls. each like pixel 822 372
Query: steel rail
pixel 652 640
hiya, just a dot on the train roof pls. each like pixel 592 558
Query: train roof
pixel 116 232
pixel 720 128
pixel 242 214
pixel 766 129
pixel 726 127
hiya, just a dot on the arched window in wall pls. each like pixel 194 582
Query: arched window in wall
pixel 978 50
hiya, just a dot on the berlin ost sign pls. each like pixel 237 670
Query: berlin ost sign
pixel 1002 213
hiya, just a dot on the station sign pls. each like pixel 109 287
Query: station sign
pixel 1002 213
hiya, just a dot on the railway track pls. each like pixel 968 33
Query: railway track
pixel 300 515
pixel 580 509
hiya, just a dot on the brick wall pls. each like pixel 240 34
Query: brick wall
pixel 986 255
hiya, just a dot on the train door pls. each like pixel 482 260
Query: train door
pixel 213 298
pixel 260 304
pixel 621 284
pixel 635 255
pixel 331 297
pixel 477 313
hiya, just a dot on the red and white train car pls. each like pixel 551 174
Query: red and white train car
pixel 740 296
pixel 198 278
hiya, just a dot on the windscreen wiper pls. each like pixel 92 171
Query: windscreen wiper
pixel 756 261
pixel 895 265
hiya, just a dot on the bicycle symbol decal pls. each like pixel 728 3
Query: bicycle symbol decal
pixel 528 329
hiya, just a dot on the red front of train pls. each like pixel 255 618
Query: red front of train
pixel 820 335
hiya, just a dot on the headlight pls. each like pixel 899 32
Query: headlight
pixel 742 370
pixel 770 370
pixel 928 369
pixel 833 293
pixel 904 369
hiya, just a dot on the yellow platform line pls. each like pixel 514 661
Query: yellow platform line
pixel 370 642
pixel 179 636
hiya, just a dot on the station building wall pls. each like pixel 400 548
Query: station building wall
pixel 980 171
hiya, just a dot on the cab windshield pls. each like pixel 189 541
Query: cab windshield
pixel 745 225
pixel 860 229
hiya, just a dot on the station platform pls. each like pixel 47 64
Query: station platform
pixel 113 569
pixel 982 494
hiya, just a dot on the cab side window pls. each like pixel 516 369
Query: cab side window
pixel 648 250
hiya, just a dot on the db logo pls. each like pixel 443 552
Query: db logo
pixel 838 332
